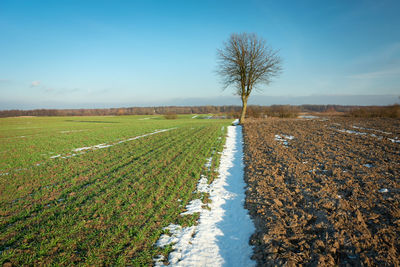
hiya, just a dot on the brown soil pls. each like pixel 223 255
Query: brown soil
pixel 328 197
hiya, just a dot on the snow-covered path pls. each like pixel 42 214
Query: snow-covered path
pixel 236 225
pixel 222 236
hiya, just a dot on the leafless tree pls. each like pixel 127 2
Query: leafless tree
pixel 246 61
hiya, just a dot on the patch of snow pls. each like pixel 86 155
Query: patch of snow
pixel 195 116
pixel 158 261
pixel 395 140
pixel 284 139
pixel 383 190
pixel 223 233
pixel 180 237
pixel 351 132
pixel 203 186
pixel 370 129
pixel 100 146
pixel 308 117
pixel 288 137
pixel 194 206
pixel 144 135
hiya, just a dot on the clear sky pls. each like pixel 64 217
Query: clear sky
pixel 84 53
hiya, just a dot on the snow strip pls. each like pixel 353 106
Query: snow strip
pixel 195 116
pixel 100 146
pixel 351 132
pixel 308 117
pixel 222 236
pixel 370 129
pixel 395 140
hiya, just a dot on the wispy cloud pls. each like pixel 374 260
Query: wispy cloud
pixel 35 83
pixel 376 74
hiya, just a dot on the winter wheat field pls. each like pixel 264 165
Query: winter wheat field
pixel 127 190
pixel 143 191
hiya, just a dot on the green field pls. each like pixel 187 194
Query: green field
pixel 99 190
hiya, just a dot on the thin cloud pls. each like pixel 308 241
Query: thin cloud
pixel 376 74
pixel 35 83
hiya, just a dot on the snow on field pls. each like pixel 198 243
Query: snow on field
pixel 395 140
pixel 222 236
pixel 283 138
pixel 351 132
pixel 308 117
pixel 195 116
pixel 100 146
pixel 370 129
pixel 81 150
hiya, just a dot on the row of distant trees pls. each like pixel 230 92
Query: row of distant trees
pixel 123 111
pixel 234 111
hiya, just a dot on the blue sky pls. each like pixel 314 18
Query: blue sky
pixel 61 54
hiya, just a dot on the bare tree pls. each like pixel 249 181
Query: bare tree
pixel 246 61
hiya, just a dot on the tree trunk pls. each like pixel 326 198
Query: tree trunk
pixel 244 107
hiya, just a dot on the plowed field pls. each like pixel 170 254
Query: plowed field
pixel 324 191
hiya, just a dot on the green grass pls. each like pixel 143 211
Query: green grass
pixel 106 206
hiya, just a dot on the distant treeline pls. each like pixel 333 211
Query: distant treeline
pixel 376 112
pixel 285 111
pixel 123 111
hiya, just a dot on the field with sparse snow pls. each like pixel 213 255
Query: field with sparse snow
pixel 324 191
pixel 101 190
